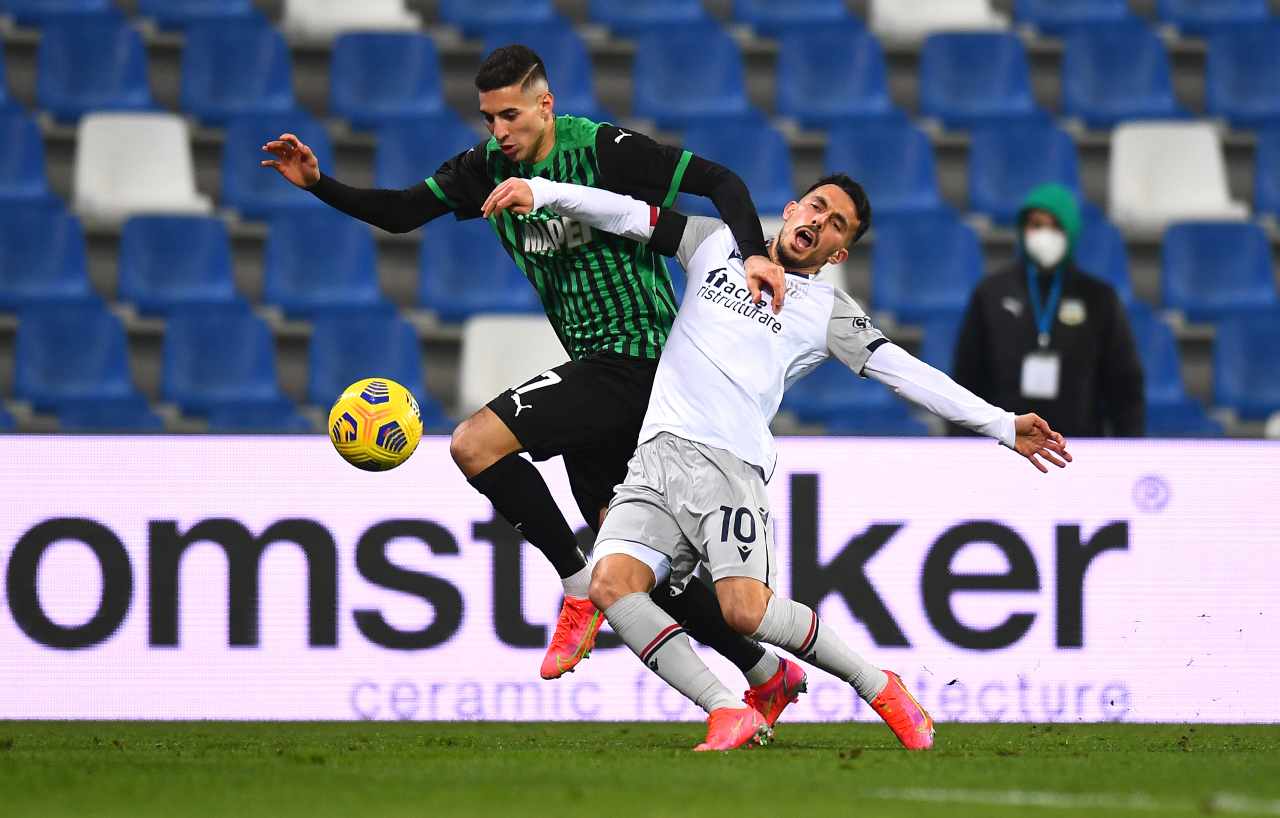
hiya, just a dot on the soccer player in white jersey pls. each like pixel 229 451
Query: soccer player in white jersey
pixel 695 488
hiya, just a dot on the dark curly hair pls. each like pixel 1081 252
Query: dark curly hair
pixel 509 65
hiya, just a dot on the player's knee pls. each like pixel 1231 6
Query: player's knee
pixel 610 581
pixel 743 616
pixel 469 447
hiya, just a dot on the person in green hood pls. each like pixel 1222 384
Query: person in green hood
pixel 1045 336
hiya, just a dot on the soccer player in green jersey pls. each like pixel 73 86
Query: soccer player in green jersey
pixel 610 301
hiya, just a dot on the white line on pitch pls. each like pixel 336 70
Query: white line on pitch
pixel 1219 802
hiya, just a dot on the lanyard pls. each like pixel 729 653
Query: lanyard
pixel 1044 313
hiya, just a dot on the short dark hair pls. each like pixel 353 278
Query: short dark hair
pixel 861 204
pixel 509 65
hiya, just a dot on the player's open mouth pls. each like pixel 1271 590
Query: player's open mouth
pixel 509 150
pixel 804 238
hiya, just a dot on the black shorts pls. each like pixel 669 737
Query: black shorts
pixel 589 411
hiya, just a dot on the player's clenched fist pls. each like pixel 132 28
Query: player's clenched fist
pixel 293 159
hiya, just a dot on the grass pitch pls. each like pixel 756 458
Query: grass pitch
pixel 90 769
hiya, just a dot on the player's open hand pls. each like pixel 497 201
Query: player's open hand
pixel 1036 440
pixel 513 194
pixel 763 274
pixel 293 159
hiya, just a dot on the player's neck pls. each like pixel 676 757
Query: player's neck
pixel 548 143
pixel 802 271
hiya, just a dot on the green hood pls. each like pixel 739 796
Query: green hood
pixel 1059 201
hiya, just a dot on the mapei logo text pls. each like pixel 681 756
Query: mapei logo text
pixel 553 235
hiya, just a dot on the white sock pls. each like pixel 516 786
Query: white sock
pixel 578 584
pixel 763 670
pixel 791 625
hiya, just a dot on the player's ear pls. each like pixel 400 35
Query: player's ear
pixel 789 209
pixel 838 256
pixel 547 105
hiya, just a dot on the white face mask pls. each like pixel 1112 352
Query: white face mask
pixel 1047 246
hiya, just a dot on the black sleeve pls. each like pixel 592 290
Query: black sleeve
pixel 634 164
pixel 967 365
pixel 1123 381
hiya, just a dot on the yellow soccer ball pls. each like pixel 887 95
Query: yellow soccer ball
pixel 375 425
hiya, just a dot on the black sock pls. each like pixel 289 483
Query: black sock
pixel 521 496
pixel 698 610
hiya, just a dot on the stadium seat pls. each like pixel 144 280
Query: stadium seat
pixel 5 100
pixel 235 65
pixel 923 264
pixel 130 163
pixel 476 19
pixel 382 76
pixel 464 271
pixel 564 53
pixel 278 416
pixel 892 159
pixel 1101 252
pixel 91 62
pixel 257 192
pixel 846 404
pixel 168 261
pixel 1201 17
pixel 909 21
pixel 1117 71
pixel 1161 361
pixel 350 344
pixel 1242 76
pixel 325 19
pixel 1186 420
pixel 38 12
pixel 183 13
pixel 1266 175
pixel 7 423
pixel 770 18
pixel 1007 161
pixel 409 150
pixel 68 352
pixel 971 78
pixel 628 18
pixel 1212 269
pixel 759 154
pixel 128 414
pixel 1246 372
pixel 22 166
pixel 201 370
pixel 679 278
pixel 686 74
pixel 1058 17
pixel 502 351
pixel 1162 172
pixel 318 258
pixel 938 349
pixel 42 255
pixel 810 58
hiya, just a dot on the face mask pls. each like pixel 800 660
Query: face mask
pixel 1047 246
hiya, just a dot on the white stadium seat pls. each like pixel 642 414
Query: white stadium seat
pixel 501 351
pixel 325 19
pixel 128 163
pixel 905 21
pixel 1162 172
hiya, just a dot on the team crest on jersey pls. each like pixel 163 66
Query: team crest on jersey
pixel 1072 312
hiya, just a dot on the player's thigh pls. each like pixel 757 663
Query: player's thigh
pixel 726 517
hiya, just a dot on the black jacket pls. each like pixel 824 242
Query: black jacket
pixel 1101 388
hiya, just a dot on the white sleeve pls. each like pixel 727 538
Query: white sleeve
pixel 602 209
pixel 920 383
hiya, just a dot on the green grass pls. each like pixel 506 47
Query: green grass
pixel 90 769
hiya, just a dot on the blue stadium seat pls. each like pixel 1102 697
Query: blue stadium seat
pixel 5 100
pixel 923 264
pixel 845 404
pixel 39 12
pixel 1200 17
pixel 7 423
pixel 91 62
pixel 278 416
pixel 1161 361
pixel 938 348
pixel 892 159
pixel 628 18
pixel 381 76
pixel 128 414
pixel 679 278
pixel 201 370
pixel 1246 364
pixel 771 18
pixel 1186 420
pixel 811 58
pixel 258 192
pixel 235 65
pixel 1266 176
pixel 465 271
pixel 1242 76
pixel 1058 17
pixel 183 13
pixel 42 255
pixel 758 153
pixel 1101 251
pixel 1007 161
pixel 568 63
pixel 168 261
pixel 68 352
pixel 1117 71
pixel 1212 269
pixel 409 150
pixel 973 77
pixel 22 167
pixel 688 73
pixel 319 258
pixel 350 344
pixel 477 18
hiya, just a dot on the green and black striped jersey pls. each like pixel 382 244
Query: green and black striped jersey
pixel 603 293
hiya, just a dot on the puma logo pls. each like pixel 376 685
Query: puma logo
pixel 520 407
pixel 621 136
